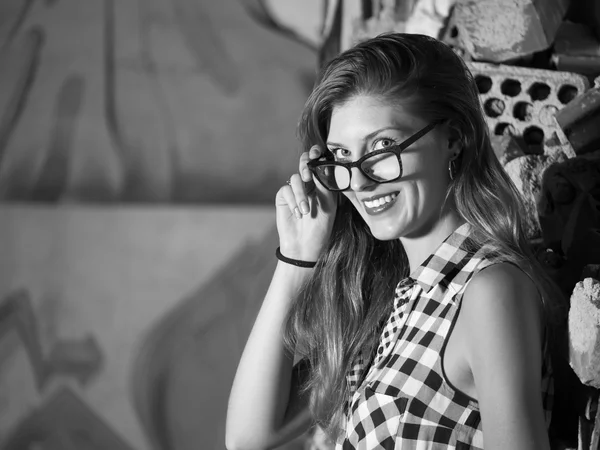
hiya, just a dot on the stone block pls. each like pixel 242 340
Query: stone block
pixel 584 332
pixel 503 30
pixel 450 35
pixel 527 174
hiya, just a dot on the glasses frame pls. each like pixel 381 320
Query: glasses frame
pixel 395 149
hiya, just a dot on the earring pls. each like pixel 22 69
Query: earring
pixel 452 169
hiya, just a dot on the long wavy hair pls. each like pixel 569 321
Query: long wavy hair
pixel 341 311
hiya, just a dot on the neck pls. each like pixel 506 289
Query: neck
pixel 418 246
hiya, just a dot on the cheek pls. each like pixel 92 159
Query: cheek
pixel 426 169
pixel 352 198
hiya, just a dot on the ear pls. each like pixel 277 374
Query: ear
pixel 454 142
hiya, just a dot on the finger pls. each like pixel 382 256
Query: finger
pixel 303 170
pixel 285 197
pixel 297 186
pixel 314 152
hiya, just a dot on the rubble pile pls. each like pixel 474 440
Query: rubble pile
pixel 536 64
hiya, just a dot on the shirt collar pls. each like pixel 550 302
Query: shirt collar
pixel 442 266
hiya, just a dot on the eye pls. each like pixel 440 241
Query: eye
pixel 383 143
pixel 341 153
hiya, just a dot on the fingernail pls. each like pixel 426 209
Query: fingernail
pixel 306 174
pixel 297 213
pixel 304 207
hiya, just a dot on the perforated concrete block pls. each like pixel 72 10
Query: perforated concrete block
pixel 522 102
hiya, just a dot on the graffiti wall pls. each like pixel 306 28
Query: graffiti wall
pixel 153 100
pixel 121 324
pixel 122 329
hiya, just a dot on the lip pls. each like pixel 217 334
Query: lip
pixel 381 208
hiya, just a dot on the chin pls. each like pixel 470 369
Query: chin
pixel 385 234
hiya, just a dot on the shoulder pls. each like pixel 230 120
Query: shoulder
pixel 503 281
pixel 501 307
pixel 501 319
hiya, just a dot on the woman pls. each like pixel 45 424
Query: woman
pixel 405 340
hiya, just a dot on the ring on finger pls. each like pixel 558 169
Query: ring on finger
pixel 288 182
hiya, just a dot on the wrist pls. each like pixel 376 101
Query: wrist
pixel 295 277
pixel 294 261
pixel 301 252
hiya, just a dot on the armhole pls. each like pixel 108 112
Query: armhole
pixel 471 401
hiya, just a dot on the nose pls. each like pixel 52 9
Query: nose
pixel 358 181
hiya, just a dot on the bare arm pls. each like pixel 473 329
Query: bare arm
pixel 265 409
pixel 502 311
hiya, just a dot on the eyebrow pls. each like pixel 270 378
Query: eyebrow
pixel 370 136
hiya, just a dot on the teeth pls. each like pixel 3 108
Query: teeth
pixel 380 201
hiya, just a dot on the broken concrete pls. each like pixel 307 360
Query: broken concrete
pixel 499 31
pixel 584 332
pixel 527 173
pixel 506 148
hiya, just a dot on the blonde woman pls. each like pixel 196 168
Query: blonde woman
pixel 405 281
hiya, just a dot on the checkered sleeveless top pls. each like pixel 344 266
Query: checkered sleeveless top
pixel 404 400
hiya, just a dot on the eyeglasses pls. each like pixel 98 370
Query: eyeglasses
pixel 382 166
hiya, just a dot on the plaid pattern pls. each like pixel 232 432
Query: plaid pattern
pixel 404 401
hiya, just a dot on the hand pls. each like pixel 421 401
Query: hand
pixel 305 213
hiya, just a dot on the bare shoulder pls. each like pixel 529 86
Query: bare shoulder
pixel 503 328
pixel 502 310
pixel 502 288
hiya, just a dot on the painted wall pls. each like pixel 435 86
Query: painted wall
pixel 121 325
pixel 152 100
pixel 122 328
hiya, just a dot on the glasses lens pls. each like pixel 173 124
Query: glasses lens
pixel 334 177
pixel 382 167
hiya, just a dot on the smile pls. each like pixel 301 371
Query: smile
pixel 379 204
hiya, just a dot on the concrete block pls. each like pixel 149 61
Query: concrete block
pixel 577 49
pixel 579 122
pixel 522 102
pixel 527 174
pixel 502 30
pixel 506 148
pixel 584 332
pixel 450 35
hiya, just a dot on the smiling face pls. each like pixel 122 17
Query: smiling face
pixel 412 205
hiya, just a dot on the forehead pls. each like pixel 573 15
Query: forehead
pixel 361 115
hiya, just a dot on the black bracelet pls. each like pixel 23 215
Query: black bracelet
pixel 294 262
